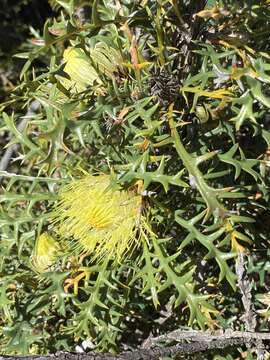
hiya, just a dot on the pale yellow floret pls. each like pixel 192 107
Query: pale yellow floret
pixel 45 252
pixel 101 220
pixel 78 67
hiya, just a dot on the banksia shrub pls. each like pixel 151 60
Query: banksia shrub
pixel 141 178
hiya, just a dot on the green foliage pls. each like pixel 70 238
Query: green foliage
pixel 176 106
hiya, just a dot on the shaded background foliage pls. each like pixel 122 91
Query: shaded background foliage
pixel 16 19
pixel 186 112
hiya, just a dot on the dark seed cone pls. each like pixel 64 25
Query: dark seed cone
pixel 164 86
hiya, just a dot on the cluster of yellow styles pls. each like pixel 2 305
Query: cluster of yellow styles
pixel 94 219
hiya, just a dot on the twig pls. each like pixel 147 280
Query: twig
pixel 202 341
pixel 249 316
pixel 194 335
pixel 179 349
pixel 11 150
pixel 141 354
pixel 245 287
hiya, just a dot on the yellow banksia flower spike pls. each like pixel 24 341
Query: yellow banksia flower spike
pixel 45 252
pixel 101 221
pixel 107 59
pixel 78 67
pixel 84 69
